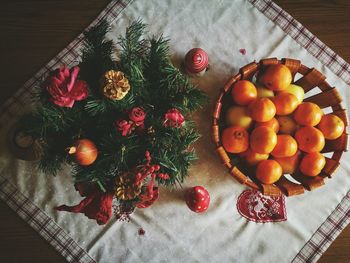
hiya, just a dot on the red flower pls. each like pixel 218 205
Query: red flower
pixel 174 118
pixel 97 205
pixel 64 87
pixel 137 115
pixel 124 126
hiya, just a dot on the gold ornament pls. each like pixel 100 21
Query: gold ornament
pixel 115 85
pixel 126 189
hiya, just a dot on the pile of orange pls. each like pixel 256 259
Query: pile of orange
pixel 272 129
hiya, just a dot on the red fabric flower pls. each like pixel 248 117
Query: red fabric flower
pixel 97 205
pixel 125 127
pixel 174 118
pixel 137 115
pixel 64 87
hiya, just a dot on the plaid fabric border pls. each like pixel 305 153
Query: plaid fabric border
pixel 340 217
pixel 304 37
pixel 326 233
pixel 14 106
pixel 42 223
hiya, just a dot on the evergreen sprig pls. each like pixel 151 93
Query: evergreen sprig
pixel 156 86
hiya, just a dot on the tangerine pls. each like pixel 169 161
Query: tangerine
pixel 273 124
pixel 285 103
pixel 276 77
pixel 254 158
pixel 264 92
pixel 286 146
pixel 287 124
pixel 331 126
pixel 289 164
pixel 296 90
pixel 310 139
pixel 308 114
pixel 268 171
pixel 235 139
pixel 263 139
pixel 262 109
pixel 312 164
pixel 238 115
pixel 243 92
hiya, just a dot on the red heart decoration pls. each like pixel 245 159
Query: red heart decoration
pixel 260 208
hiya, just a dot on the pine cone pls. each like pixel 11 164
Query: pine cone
pixel 126 189
pixel 115 85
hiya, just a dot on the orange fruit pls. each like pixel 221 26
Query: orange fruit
pixel 312 164
pixel 263 140
pixel 310 139
pixel 286 146
pixel 276 77
pixel 331 126
pixel 287 124
pixel 308 114
pixel 244 92
pixel 268 171
pixel 289 164
pixel 296 90
pixel 262 109
pixel 285 103
pixel 235 139
pixel 273 124
pixel 264 92
pixel 254 158
pixel 238 115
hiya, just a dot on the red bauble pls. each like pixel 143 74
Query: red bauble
pixel 196 61
pixel 84 152
pixel 197 199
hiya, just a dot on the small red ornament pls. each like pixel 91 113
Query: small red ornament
pixel 84 152
pixel 197 199
pixel 196 61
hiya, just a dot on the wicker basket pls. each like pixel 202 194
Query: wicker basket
pixel 328 97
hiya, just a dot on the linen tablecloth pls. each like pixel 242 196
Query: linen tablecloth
pixel 172 232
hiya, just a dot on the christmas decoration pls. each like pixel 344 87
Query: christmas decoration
pixel 126 188
pixel 97 205
pixel 124 122
pixel 174 118
pixel 84 152
pixel 196 61
pixel 65 88
pixel 141 232
pixel 197 199
pixel 115 85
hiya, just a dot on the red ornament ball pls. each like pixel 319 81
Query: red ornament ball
pixel 196 61
pixel 84 152
pixel 197 199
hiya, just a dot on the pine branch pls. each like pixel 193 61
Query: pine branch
pixel 96 56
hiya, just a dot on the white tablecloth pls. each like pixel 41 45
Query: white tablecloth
pixel 173 232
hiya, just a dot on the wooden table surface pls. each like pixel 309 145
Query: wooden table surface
pixel 33 31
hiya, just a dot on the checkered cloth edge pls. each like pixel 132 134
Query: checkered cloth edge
pixel 326 233
pixel 14 106
pixel 304 37
pixel 42 223
pixel 340 217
